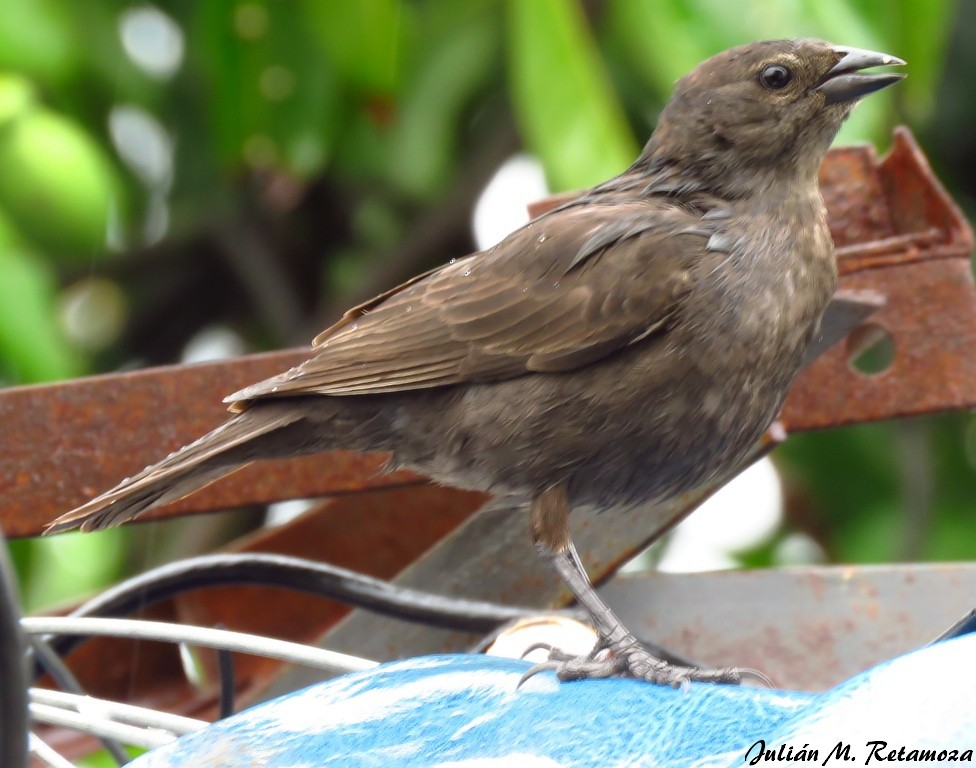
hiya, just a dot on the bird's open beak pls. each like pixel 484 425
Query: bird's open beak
pixel 846 82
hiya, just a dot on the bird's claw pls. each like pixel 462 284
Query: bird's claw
pixel 558 659
pixel 535 669
pixel 628 658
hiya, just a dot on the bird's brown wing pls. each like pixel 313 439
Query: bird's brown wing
pixel 558 294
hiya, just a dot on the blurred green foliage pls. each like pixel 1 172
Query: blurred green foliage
pixel 257 165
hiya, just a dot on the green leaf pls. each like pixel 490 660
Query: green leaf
pixel 917 31
pixel 273 96
pixel 657 38
pixel 563 98
pixel 849 479
pixel 362 39
pixel 36 38
pixel 665 39
pixel 17 97
pixel 885 491
pixel 32 347
pixel 424 140
pixel 103 759
pixel 73 565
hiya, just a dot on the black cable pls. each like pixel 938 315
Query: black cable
pixel 66 681
pixel 294 573
pixel 14 718
pixel 225 664
pixel 225 669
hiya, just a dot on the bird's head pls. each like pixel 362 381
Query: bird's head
pixel 763 111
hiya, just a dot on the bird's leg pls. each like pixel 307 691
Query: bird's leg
pixel 625 655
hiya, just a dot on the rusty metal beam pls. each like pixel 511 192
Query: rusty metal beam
pixel 898 233
pixel 63 443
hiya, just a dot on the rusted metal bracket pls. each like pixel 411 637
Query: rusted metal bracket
pixel 899 236
pixel 898 233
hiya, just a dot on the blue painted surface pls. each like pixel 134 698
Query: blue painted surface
pixel 465 712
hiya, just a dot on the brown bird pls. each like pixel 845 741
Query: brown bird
pixel 626 347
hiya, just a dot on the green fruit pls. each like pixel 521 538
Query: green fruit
pixel 56 184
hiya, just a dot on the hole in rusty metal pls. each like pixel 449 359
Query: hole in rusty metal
pixel 870 350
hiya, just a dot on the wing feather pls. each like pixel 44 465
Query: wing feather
pixel 580 283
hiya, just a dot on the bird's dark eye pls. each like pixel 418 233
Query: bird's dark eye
pixel 775 76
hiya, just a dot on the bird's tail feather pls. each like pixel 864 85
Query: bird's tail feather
pixel 225 449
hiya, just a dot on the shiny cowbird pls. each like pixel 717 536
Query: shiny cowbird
pixel 623 348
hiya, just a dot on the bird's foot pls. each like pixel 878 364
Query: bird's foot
pixel 628 658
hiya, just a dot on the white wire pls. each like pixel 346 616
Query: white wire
pixel 203 636
pixel 46 754
pixel 114 711
pixel 147 738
